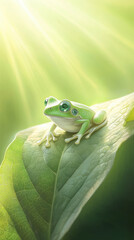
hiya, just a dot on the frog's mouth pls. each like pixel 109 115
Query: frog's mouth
pixel 54 116
pixel 58 117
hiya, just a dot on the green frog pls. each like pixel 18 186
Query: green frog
pixel 72 117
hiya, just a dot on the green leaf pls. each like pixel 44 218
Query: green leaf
pixel 42 190
pixel 130 114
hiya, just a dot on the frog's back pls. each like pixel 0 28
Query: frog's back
pixel 84 111
pixel 79 105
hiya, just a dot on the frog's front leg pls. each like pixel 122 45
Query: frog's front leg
pixel 49 136
pixel 81 132
pixel 99 121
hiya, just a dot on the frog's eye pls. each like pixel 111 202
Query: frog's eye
pixel 74 111
pixel 46 101
pixel 65 106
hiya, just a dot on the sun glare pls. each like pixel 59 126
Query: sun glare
pixel 50 39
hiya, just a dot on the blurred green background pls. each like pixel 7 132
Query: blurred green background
pixel 80 50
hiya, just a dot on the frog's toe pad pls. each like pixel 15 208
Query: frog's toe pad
pixel 39 142
pixel 47 145
pixel 54 139
pixel 67 140
pixel 88 136
pixel 56 134
pixel 77 142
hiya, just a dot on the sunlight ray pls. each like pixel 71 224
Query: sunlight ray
pixel 15 68
pixel 100 44
pixel 82 26
pixel 28 60
pixel 58 50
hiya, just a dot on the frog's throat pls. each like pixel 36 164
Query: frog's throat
pixel 67 124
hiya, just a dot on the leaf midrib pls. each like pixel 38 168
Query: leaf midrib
pixel 51 215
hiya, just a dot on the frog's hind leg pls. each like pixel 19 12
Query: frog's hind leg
pixel 95 128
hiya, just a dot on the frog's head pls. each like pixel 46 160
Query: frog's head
pixel 55 107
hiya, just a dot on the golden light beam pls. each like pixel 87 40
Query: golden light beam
pixel 64 10
pixel 14 65
pixel 60 52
